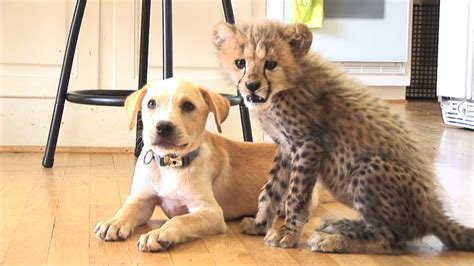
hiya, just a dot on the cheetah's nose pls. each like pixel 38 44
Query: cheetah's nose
pixel 252 85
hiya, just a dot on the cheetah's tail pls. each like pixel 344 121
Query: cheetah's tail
pixel 454 235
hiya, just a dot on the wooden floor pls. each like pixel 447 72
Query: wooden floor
pixel 47 215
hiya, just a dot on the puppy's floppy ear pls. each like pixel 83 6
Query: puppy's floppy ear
pixel 217 104
pixel 221 33
pixel 133 104
pixel 300 37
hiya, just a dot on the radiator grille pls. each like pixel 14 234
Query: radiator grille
pixel 373 68
pixel 458 113
pixel 424 55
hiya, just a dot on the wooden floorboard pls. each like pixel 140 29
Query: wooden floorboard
pixel 47 215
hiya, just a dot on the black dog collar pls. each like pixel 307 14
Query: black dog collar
pixel 171 160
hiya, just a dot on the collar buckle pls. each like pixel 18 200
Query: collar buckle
pixel 171 160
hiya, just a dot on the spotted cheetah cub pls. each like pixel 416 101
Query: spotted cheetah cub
pixel 328 128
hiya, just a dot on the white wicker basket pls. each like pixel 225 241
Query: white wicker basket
pixel 458 112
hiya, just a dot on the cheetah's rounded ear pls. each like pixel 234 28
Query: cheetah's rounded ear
pixel 300 37
pixel 221 33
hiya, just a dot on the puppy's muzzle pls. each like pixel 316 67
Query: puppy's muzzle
pixel 165 129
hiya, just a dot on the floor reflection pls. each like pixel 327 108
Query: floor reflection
pixel 452 151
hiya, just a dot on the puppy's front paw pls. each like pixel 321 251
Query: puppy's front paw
pixel 281 238
pixel 249 227
pixel 112 230
pixel 157 240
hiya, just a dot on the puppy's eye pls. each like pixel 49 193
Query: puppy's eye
pixel 151 104
pixel 240 63
pixel 187 107
pixel 270 64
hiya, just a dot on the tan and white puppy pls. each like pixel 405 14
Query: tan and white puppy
pixel 222 182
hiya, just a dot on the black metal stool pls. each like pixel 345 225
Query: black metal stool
pixel 117 97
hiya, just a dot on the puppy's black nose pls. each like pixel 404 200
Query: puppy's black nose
pixel 164 128
pixel 252 85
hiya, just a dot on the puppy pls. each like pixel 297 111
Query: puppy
pixel 199 179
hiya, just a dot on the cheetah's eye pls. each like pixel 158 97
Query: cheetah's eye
pixel 187 107
pixel 240 63
pixel 270 64
pixel 151 104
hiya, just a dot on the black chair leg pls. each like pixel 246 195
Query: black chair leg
pixel 48 159
pixel 228 11
pixel 167 38
pixel 143 66
pixel 245 120
pixel 244 112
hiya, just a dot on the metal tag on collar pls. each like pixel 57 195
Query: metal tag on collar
pixel 171 160
pixel 149 155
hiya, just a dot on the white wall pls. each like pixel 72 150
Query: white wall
pixel 455 49
pixel 33 35
pixel 32 41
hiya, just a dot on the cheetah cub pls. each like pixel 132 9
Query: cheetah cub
pixel 328 128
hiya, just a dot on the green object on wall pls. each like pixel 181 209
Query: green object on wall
pixel 309 12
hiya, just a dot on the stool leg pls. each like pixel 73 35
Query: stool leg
pixel 244 112
pixel 167 38
pixel 245 120
pixel 228 11
pixel 143 66
pixel 48 159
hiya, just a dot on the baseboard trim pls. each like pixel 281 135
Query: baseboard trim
pixel 395 101
pixel 67 149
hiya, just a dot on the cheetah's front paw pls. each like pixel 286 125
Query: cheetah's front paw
pixel 249 227
pixel 283 238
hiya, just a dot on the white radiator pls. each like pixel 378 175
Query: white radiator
pixel 455 85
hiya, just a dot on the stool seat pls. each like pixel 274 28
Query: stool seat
pixel 117 97
pixel 99 97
